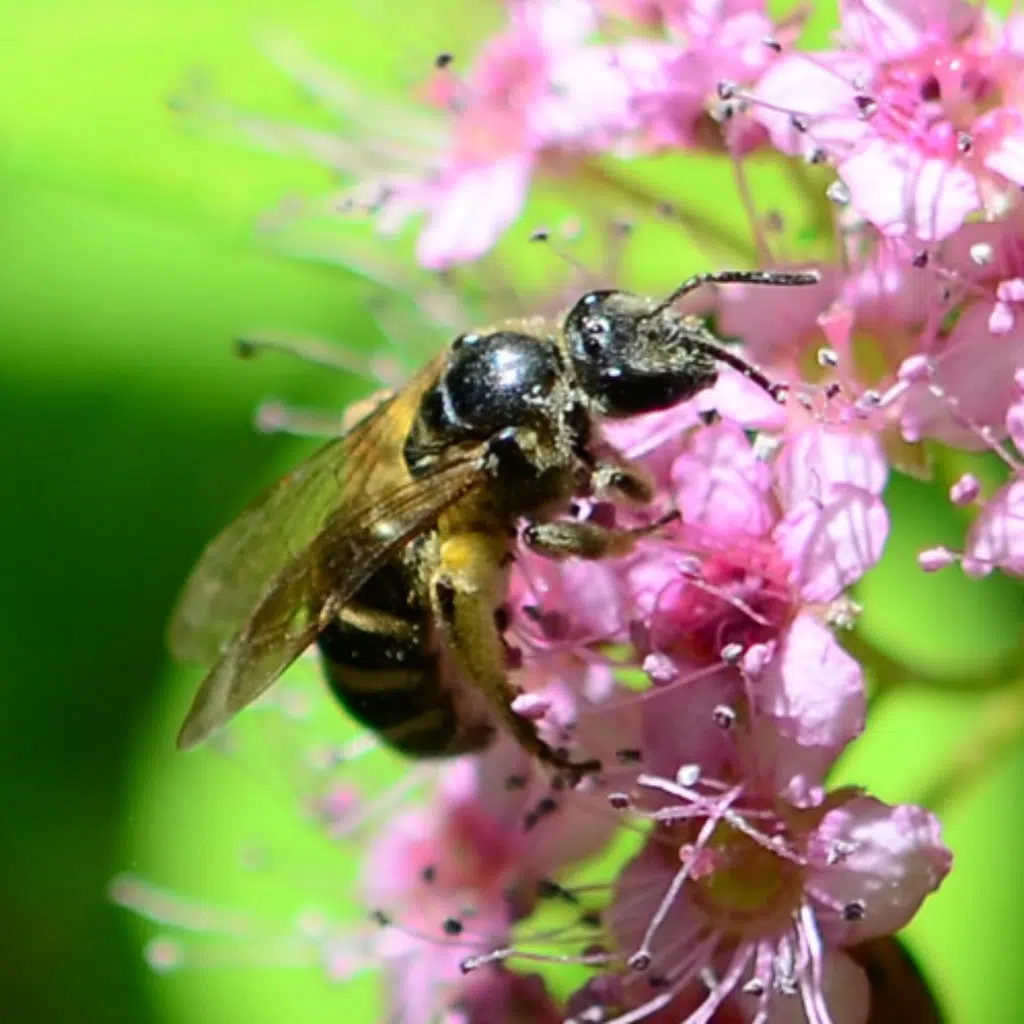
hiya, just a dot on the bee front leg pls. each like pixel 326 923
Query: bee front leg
pixel 571 539
pixel 465 589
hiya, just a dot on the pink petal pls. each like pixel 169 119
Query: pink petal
pixel 557 25
pixel 656 439
pixel 471 210
pixel 737 398
pixel 903 192
pixel 976 368
pixel 893 29
pixel 818 459
pixel 831 547
pixel 889 858
pixel 679 722
pixel 721 485
pixel 819 88
pixel 996 537
pixel 813 688
pixel 810 702
pixel 1003 133
pixel 1015 423
pixel 587 103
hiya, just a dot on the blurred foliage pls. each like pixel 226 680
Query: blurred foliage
pixel 130 262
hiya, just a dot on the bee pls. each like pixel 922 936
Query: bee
pixel 390 547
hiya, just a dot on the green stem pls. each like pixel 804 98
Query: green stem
pixel 889 671
pixel 996 731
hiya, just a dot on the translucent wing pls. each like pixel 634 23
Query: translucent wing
pixel 319 580
pixel 239 565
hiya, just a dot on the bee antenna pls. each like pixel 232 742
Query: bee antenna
pixel 772 277
pixel 702 339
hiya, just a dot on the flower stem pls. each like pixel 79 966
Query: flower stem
pixel 997 729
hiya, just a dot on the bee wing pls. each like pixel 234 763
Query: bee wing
pixel 239 565
pixel 319 580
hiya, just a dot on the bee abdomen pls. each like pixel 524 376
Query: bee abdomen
pixel 383 670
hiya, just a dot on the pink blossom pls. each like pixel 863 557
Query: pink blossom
pixel 760 543
pixel 716 48
pixel 995 539
pixel 919 111
pixel 449 881
pixel 764 889
pixel 538 97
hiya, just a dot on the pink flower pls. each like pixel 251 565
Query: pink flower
pixel 752 894
pixel 920 110
pixel 760 543
pixel 536 99
pixel 449 881
pixel 713 43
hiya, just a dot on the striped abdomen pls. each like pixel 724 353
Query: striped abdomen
pixel 381 662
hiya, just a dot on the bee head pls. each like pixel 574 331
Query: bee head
pixel 634 355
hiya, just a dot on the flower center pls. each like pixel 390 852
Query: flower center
pixel 739 596
pixel 742 885
pixel 938 97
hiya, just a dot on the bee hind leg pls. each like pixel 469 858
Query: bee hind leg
pixel 464 590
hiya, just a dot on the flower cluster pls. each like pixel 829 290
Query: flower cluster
pixel 708 668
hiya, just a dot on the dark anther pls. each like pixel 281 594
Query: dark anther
pixel 854 911
pixel 657 981
pixel 799 122
pixel 452 926
pixel 620 801
pixel 930 90
pixel 515 782
pixel 379 917
pixel 443 60
pixel 540 235
pixel 709 417
pixel 629 755
pixel 866 106
pixel 502 618
pixel 429 873
pixel 591 919
pixel 530 820
pixel 245 349
pixel 546 806
pixel 920 259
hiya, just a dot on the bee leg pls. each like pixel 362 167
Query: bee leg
pixel 610 470
pixel 464 590
pixel 570 539
pixel 623 478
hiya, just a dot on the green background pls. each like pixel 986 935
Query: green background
pixel 129 261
